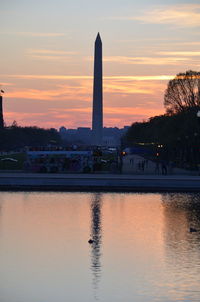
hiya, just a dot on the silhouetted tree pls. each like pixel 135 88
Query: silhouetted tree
pixel 183 92
pixel 16 137
pixel 14 124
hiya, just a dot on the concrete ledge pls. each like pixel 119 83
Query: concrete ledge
pixel 100 182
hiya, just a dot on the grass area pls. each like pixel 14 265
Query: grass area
pixel 12 165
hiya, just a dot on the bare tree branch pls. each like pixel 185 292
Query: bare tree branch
pixel 183 92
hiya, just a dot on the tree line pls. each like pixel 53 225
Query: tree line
pixel 16 137
pixel 178 130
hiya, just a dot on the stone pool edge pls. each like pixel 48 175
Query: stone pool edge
pixel 98 182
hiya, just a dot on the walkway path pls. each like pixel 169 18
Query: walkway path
pixel 132 164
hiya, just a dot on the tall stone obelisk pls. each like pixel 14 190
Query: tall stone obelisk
pixel 97 115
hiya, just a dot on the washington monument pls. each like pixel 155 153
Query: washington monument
pixel 97 115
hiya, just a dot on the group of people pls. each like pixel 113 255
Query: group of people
pixel 161 168
pixel 141 165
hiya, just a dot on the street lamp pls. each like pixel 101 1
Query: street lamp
pixel 198 117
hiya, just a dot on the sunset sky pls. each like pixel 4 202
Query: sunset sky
pixel 47 52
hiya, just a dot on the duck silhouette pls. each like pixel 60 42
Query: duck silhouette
pixel 192 230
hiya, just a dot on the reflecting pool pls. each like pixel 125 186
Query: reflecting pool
pixel 143 250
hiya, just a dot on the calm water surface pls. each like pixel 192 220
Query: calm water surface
pixel 142 251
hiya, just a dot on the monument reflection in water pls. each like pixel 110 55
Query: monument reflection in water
pixel 96 236
pixel 142 251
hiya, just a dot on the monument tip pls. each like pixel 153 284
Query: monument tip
pixel 98 38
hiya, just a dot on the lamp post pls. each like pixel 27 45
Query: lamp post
pixel 198 114
pixel 1 109
pixel 198 156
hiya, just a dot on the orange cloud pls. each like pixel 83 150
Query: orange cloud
pixel 82 110
pixel 63 92
pixel 11 114
pixel 180 53
pixel 110 111
pixel 140 78
pixel 85 77
pixel 47 54
pixel 51 52
pixel 126 89
pixel 187 15
pixel 6 84
pixel 129 111
pixel 145 60
pixel 132 87
pixel 23 118
pixel 47 77
pixel 82 90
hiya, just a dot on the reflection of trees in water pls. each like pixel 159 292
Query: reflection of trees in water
pixel 181 211
pixel 185 203
pixel 96 203
pixel 181 248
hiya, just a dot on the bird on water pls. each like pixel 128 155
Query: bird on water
pixel 192 230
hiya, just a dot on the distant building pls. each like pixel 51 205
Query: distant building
pixel 83 135
pixel 110 141
pixel 62 130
